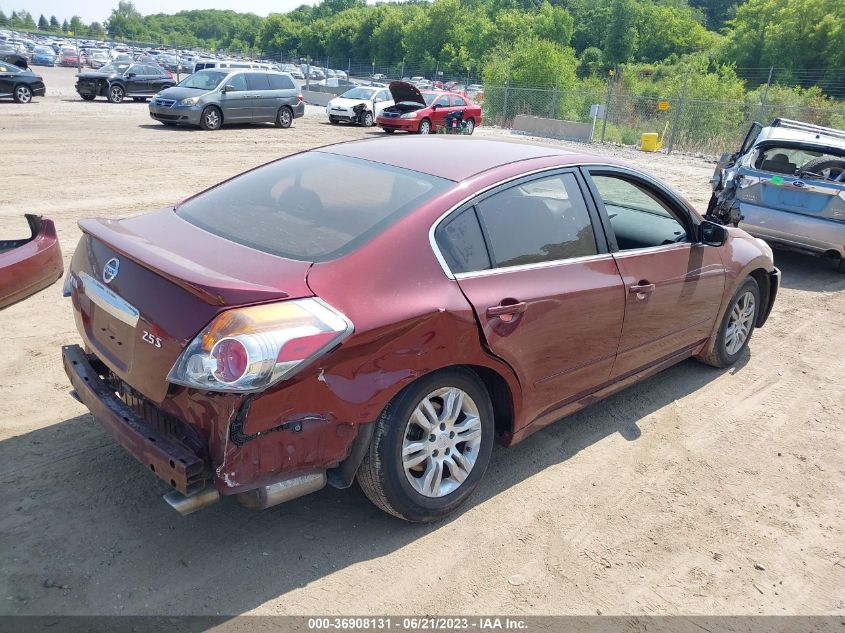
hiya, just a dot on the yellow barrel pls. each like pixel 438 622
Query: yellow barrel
pixel 649 143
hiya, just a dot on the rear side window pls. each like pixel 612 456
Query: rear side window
pixel 458 101
pixel 310 206
pixel 462 243
pixel 280 82
pixel 257 81
pixel 541 220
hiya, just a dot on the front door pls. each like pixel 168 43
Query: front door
pixel 7 79
pixel 438 114
pixel 546 292
pixel 673 285
pixel 236 101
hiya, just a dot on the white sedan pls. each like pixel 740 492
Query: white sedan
pixel 342 108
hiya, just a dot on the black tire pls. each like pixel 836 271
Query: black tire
pixel 470 128
pixel 211 118
pixel 88 97
pixel 284 117
pixel 425 127
pixel 333 120
pixel 841 266
pixel 367 119
pixel 720 356
pixel 116 93
pixel 22 94
pixel 382 476
pixel 387 131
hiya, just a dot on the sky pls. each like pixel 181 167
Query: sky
pixel 100 10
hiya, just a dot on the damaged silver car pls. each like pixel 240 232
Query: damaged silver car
pixel 786 185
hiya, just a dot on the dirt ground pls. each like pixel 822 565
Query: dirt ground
pixel 698 491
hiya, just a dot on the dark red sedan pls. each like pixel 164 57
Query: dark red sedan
pixel 427 112
pixel 275 332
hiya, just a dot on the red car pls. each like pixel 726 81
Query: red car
pixel 69 58
pixel 31 264
pixel 426 112
pixel 272 333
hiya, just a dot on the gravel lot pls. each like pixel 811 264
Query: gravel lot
pixel 699 491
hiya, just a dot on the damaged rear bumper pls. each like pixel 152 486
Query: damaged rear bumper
pixel 180 468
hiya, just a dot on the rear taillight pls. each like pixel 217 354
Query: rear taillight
pixel 249 349
pixel 299 98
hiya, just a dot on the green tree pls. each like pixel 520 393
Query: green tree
pixel 65 26
pixel 621 41
pixel 43 24
pixel 126 22
pixel 665 30
pixel 76 26
pixel 591 62
pixel 96 31
pixel 3 19
pixel 54 23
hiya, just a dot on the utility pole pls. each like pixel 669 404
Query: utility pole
pixel 765 96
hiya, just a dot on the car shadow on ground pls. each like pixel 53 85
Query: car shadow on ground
pixel 805 272
pixel 117 548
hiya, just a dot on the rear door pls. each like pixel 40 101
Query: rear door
pixel 7 78
pixel 438 114
pixel 263 98
pixel 545 290
pixel 673 285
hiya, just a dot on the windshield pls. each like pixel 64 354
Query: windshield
pixel 310 206
pixel 43 49
pixel 204 80
pixel 358 93
pixel 118 69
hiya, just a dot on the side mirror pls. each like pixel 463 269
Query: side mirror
pixel 434 106
pixel 229 88
pixel 130 74
pixel 712 234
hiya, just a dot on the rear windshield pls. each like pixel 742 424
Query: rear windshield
pixel 312 206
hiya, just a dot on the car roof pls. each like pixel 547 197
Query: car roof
pixel 462 158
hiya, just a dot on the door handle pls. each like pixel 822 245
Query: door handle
pixel 643 287
pixel 506 309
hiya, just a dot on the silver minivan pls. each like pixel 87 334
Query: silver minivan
pixel 209 98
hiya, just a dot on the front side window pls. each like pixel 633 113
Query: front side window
pixel 237 82
pixel 638 217
pixel 541 220
pixel 442 102
pixel 310 206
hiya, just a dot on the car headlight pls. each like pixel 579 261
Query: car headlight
pixel 408 115
pixel 249 349
pixel 189 101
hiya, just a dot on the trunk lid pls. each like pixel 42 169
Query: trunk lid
pixel 146 286
pixel 403 91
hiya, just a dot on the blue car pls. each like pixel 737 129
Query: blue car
pixel 43 56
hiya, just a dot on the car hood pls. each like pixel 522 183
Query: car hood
pixel 346 103
pixel 96 75
pixel 403 91
pixel 179 93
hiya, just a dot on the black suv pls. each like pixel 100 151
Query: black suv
pixel 118 80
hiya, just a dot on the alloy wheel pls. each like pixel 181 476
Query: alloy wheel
pixel 425 127
pixel 23 94
pixel 116 94
pixel 740 323
pixel 442 442
pixel 212 119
